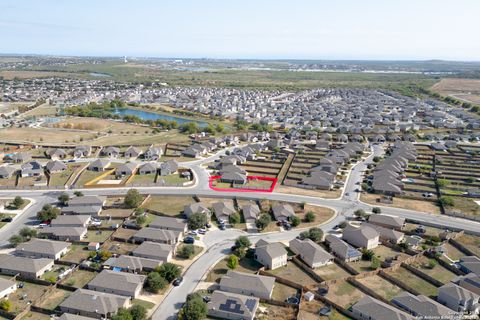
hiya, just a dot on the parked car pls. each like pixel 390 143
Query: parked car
pixel 189 240
pixel 7 219
pixel 177 281
pixel 221 227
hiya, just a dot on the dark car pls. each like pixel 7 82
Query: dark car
pixel 7 219
pixel 189 240
pixel 177 281
pixel 221 227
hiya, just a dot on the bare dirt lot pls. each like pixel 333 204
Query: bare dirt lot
pixel 462 89
pixel 417 205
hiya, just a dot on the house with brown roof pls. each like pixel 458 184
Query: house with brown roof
pixel 310 252
pixel 271 255
pixel 247 284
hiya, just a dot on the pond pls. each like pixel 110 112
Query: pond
pixel 100 75
pixel 145 115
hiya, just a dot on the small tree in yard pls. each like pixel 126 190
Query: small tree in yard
pixel 197 221
pixel 376 210
pixel 295 221
pixel 5 305
pixel 242 242
pixel 232 262
pixel 432 263
pixel 360 213
pixel 48 213
pixel 138 312
pixel 155 282
pixel 15 240
pixel 187 251
pixel 18 202
pixel 122 314
pixel 133 198
pixel 446 201
pixel 169 271
pixel 315 234
pixel 310 216
pixel 141 220
pixel 194 309
pixel 234 218
pixel 63 199
pixel 375 263
pixel 368 254
pixel 263 221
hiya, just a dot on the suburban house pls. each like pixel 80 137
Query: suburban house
pixel 361 237
pixel 64 233
pixel 26 267
pixel 93 211
pixel 247 284
pixel 71 316
pixel 7 287
pixel 133 152
pixel 470 282
pixel 321 180
pixel 341 249
pixel 99 165
pixel 387 234
pixel 82 151
pixel 232 306
pixel 55 166
pixel 42 248
pixel 31 169
pixel 126 169
pixel 470 264
pixel 7 172
pixel 19 157
pixel 458 298
pixel 154 250
pixel 111 152
pixel 87 201
pixel 283 212
pixel 310 252
pixel 157 235
pixel 271 255
pixel 369 308
pixel 168 167
pixel 148 168
pixel 196 207
pixel 223 210
pixel 56 154
pixel 167 223
pixel 153 153
pixel 132 264
pixel 250 212
pixel 387 221
pixel 71 221
pixel 421 306
pixel 94 304
pixel 120 283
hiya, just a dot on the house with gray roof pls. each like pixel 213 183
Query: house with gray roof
pixel 120 283
pixel 157 235
pixel 168 167
pixel 232 306
pixel 87 201
pixel 250 212
pixel 55 166
pixel 93 304
pixel 82 151
pixel 387 234
pixel 71 221
pixel 369 308
pixel 196 207
pixel 341 249
pixel 7 172
pixel 154 250
pixel 93 211
pixel 7 287
pixel 361 237
pixel 19 157
pixel 111 152
pixel 148 168
pixel 56 154
pixel 310 252
pixel 470 264
pixel 169 223
pixel 223 210
pixel 271 255
pixel 71 316
pixel 283 211
pixel 42 248
pixel 247 284
pixel 99 165
pixel 26 267
pixel 126 169
pixel 387 221
pixel 153 153
pixel 422 306
pixel 64 233
pixel 31 169
pixel 458 298
pixel 132 264
pixel 321 180
pixel 133 152
pixel 469 281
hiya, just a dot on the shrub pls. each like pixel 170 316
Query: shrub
pixel 367 254
pixel 194 309
pixel 295 221
pixel 155 282
pixel 310 216
pixel 141 220
pixel 232 262
pixel 186 251
pixel 133 198
pixel 263 221
pixel 446 201
pixel 376 210
pixel 432 263
pixel 359 213
pixel 5 305
pixel 48 213
pixel 18 202
pixel 234 218
pixel 375 263
pixel 242 242
pixel 138 312
pixel 169 271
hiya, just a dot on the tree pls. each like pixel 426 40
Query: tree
pixel 169 271
pixel 232 262
pixel 28 233
pixel 133 198
pixel 186 251
pixel 359 213
pixel 295 221
pixel 375 263
pixel 78 193
pixel 63 199
pixel 442 182
pixel 367 254
pixel 446 201
pixel 141 220
pixel 376 159
pixel 155 282
pixel 138 312
pixel 48 213
pixel 343 224
pixel 5 305
pixel 104 255
pixel 18 202
pixel 122 314
pixel 15 240
pixel 234 218
pixel 315 234
pixel 263 221
pixel 197 221
pixel 242 242
pixel 376 210
pixel 432 263
pixel 194 309
pixel 310 216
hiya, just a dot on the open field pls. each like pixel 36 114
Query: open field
pixel 168 205
pixel 322 215
pixel 332 194
pixel 44 135
pixel 418 205
pixel 381 252
pixel 462 89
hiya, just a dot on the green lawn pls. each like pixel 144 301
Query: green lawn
pixel 79 278
pixel 168 205
pixel 146 304
pixel 98 235
pixel 415 282
pixel 245 265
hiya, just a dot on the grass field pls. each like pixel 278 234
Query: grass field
pixel 471 242
pixel 168 205
pixel 381 286
pixel 415 282
pixel 21 297
pixel 418 205
pixel 331 271
pixel 344 293
pixel 245 265
pixel 54 298
pixel 97 236
pixel 76 254
pixel 462 89
pixel 293 273
pixel 78 278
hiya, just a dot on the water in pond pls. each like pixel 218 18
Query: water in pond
pixel 100 75
pixel 145 115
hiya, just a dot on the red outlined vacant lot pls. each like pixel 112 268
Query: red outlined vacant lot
pixel 272 186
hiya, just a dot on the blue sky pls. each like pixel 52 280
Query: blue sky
pixel 303 29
